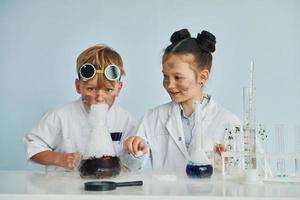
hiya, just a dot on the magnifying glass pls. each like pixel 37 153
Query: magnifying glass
pixel 108 185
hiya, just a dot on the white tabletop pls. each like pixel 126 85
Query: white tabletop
pixel 68 185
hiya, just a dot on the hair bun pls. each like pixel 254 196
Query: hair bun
pixel 179 36
pixel 206 41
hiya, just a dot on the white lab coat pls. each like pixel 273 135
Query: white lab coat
pixel 66 129
pixel 162 128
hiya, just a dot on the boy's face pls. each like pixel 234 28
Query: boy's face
pixel 93 93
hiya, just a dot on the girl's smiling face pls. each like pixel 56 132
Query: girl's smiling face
pixel 180 80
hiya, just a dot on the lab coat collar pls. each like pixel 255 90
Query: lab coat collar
pixel 210 110
pixel 81 105
pixel 185 116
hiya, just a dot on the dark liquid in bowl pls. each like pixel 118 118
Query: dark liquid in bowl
pixel 104 167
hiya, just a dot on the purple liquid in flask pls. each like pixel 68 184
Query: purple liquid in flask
pixel 198 170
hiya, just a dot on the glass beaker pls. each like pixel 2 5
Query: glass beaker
pixel 262 138
pixel 280 148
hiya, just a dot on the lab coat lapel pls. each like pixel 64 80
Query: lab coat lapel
pixel 210 111
pixel 175 129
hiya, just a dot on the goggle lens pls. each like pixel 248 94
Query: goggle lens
pixel 87 71
pixel 112 72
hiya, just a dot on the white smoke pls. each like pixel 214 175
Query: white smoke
pixel 100 142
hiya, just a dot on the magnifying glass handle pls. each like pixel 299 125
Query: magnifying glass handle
pixel 131 183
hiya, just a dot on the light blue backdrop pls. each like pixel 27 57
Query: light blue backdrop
pixel 40 40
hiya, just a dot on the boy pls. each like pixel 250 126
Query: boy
pixel 61 136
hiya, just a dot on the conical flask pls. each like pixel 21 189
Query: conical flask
pixel 199 164
pixel 99 158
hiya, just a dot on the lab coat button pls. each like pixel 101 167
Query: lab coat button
pixel 180 138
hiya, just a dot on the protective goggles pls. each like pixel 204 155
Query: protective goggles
pixel 88 71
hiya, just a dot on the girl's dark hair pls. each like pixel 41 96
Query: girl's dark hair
pixel 201 47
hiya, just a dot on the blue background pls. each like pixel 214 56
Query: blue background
pixel 40 41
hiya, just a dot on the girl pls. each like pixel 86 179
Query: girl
pixel 170 130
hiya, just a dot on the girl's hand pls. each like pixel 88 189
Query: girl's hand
pixel 133 144
pixel 219 148
pixel 69 161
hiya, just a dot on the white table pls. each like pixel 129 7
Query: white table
pixel 68 185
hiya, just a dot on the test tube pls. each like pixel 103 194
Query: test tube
pixel 280 143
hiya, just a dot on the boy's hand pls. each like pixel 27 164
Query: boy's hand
pixel 133 144
pixel 69 161
pixel 219 148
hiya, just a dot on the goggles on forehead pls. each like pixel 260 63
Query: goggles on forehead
pixel 87 71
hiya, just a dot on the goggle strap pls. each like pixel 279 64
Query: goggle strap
pixel 99 71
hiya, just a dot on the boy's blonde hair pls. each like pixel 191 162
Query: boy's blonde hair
pixel 100 56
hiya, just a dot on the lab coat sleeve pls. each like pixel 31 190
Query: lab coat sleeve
pixel 131 162
pixel 43 136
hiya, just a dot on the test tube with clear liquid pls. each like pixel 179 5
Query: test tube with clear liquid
pixel 280 148
pixel 249 128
